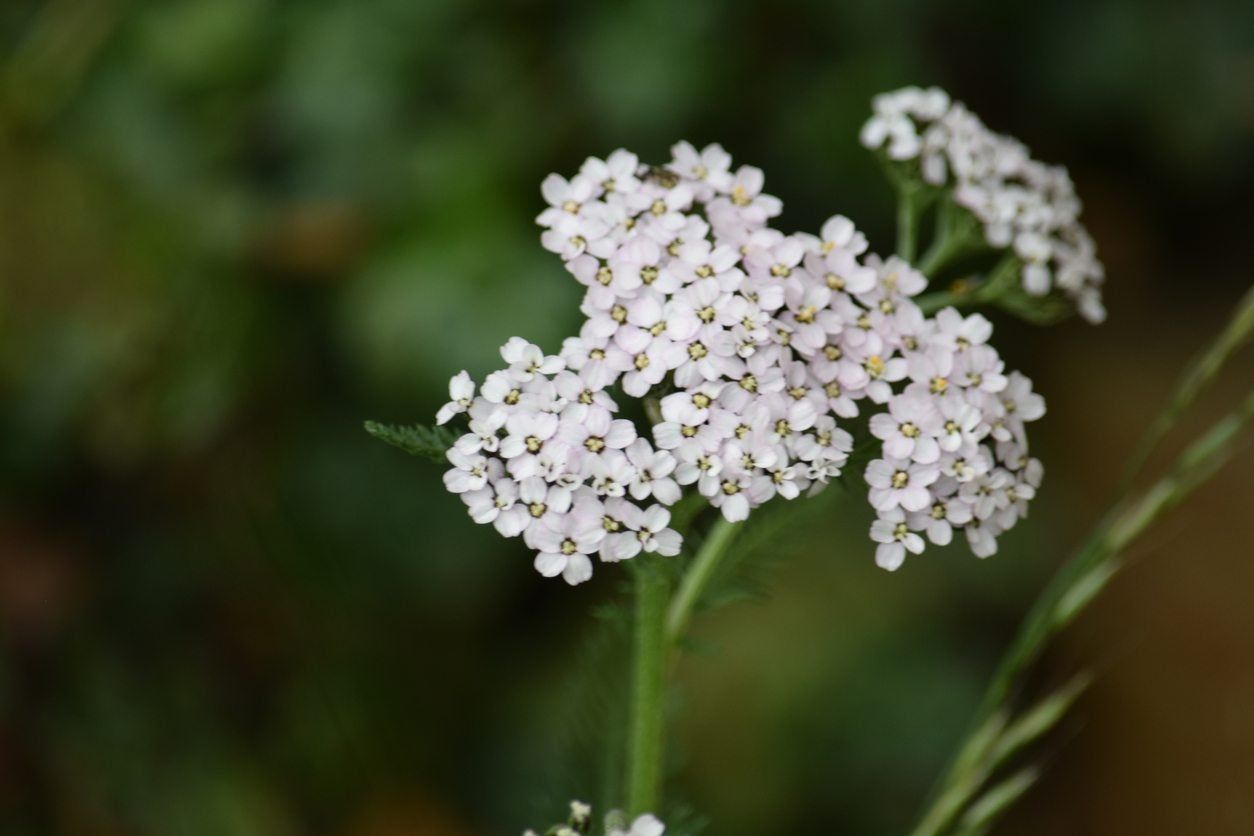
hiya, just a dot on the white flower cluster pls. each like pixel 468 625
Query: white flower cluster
pixel 579 823
pixel 751 344
pixel 1022 203
pixel 954 447
pixel 545 458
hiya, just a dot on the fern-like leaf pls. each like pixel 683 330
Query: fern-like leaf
pixel 430 443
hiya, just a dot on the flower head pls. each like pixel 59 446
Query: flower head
pixel 1025 206
pixel 756 346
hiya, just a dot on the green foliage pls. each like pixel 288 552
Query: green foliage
pixel 999 732
pixel 430 443
pixel 1039 310
pixel 235 227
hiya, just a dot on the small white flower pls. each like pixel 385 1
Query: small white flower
pixel 461 391
pixel 909 427
pixel 598 433
pixel 526 360
pixel 564 542
pixel 957 333
pixel 895 538
pixel 653 469
pixel 469 473
pixel 709 167
pixel 939 520
pixel 617 173
pixel 745 201
pixel 645 825
pixel 731 495
pixel 900 483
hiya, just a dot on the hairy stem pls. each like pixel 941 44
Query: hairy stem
pixel 697 578
pixel 659 626
pixel 646 732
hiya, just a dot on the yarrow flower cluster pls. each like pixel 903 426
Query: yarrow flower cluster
pixel 953 443
pixel 1023 204
pixel 750 346
pixel 579 823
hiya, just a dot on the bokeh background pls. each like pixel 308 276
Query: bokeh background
pixel 231 230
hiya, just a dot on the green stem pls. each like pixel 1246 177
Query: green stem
pixel 957 234
pixel 930 303
pixel 697 578
pixel 939 254
pixel 908 206
pixel 1072 589
pixel 1199 374
pixel 658 629
pixel 646 732
pixel 998 281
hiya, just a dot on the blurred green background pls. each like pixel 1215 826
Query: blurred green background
pixel 234 229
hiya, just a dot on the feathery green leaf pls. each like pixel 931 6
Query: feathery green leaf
pixel 431 443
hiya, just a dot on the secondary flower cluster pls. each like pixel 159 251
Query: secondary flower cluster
pixel 545 458
pixel 953 443
pixel 579 823
pixel 1023 204
pixel 748 346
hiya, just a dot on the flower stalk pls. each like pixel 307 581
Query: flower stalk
pixel 1199 374
pixel 1073 588
pixel 695 581
pixel 909 208
pixel 646 744
pixel 659 625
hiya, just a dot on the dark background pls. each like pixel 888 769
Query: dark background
pixel 231 230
